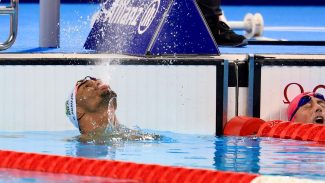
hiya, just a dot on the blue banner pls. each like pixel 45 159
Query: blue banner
pixel 155 27
pixel 184 31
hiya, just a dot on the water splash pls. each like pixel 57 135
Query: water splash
pixel 120 134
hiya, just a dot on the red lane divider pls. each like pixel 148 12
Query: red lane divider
pixel 243 126
pixel 320 136
pixel 300 131
pixel 266 128
pixel 311 132
pixel 288 131
pixel 116 169
pixel 277 129
pixel 246 126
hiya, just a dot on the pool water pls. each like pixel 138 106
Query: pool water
pixel 19 176
pixel 267 156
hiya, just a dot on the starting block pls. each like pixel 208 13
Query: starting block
pixel 151 27
pixel 253 25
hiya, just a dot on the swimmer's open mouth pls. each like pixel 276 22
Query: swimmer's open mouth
pixel 319 120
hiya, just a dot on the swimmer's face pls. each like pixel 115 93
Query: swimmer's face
pixel 93 92
pixel 312 112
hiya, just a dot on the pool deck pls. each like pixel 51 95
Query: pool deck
pixel 76 18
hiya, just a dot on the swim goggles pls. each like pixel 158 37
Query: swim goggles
pixel 84 80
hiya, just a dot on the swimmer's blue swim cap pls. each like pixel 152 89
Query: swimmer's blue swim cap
pixel 71 108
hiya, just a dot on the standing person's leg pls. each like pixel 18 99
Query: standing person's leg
pixel 220 30
pixel 210 8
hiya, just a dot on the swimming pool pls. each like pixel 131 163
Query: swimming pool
pixel 267 156
pixel 190 102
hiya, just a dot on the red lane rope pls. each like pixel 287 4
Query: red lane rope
pixel 276 129
pixel 265 128
pixel 116 169
pixel 296 131
pixel 243 126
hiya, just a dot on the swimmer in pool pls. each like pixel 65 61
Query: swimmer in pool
pixel 91 108
pixel 308 107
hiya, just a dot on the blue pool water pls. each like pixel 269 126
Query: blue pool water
pixel 267 156
pixel 19 176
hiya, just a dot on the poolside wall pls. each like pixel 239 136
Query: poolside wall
pixel 179 98
pixel 174 98
pixel 276 89
pixel 284 77
pixel 242 83
pixel 271 82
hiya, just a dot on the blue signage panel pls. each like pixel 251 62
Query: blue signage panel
pixel 184 32
pixel 142 27
pixel 126 26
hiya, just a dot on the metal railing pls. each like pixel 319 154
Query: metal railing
pixel 11 10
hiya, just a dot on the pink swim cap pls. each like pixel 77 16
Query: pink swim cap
pixel 294 104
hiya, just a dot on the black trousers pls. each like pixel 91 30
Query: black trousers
pixel 210 8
